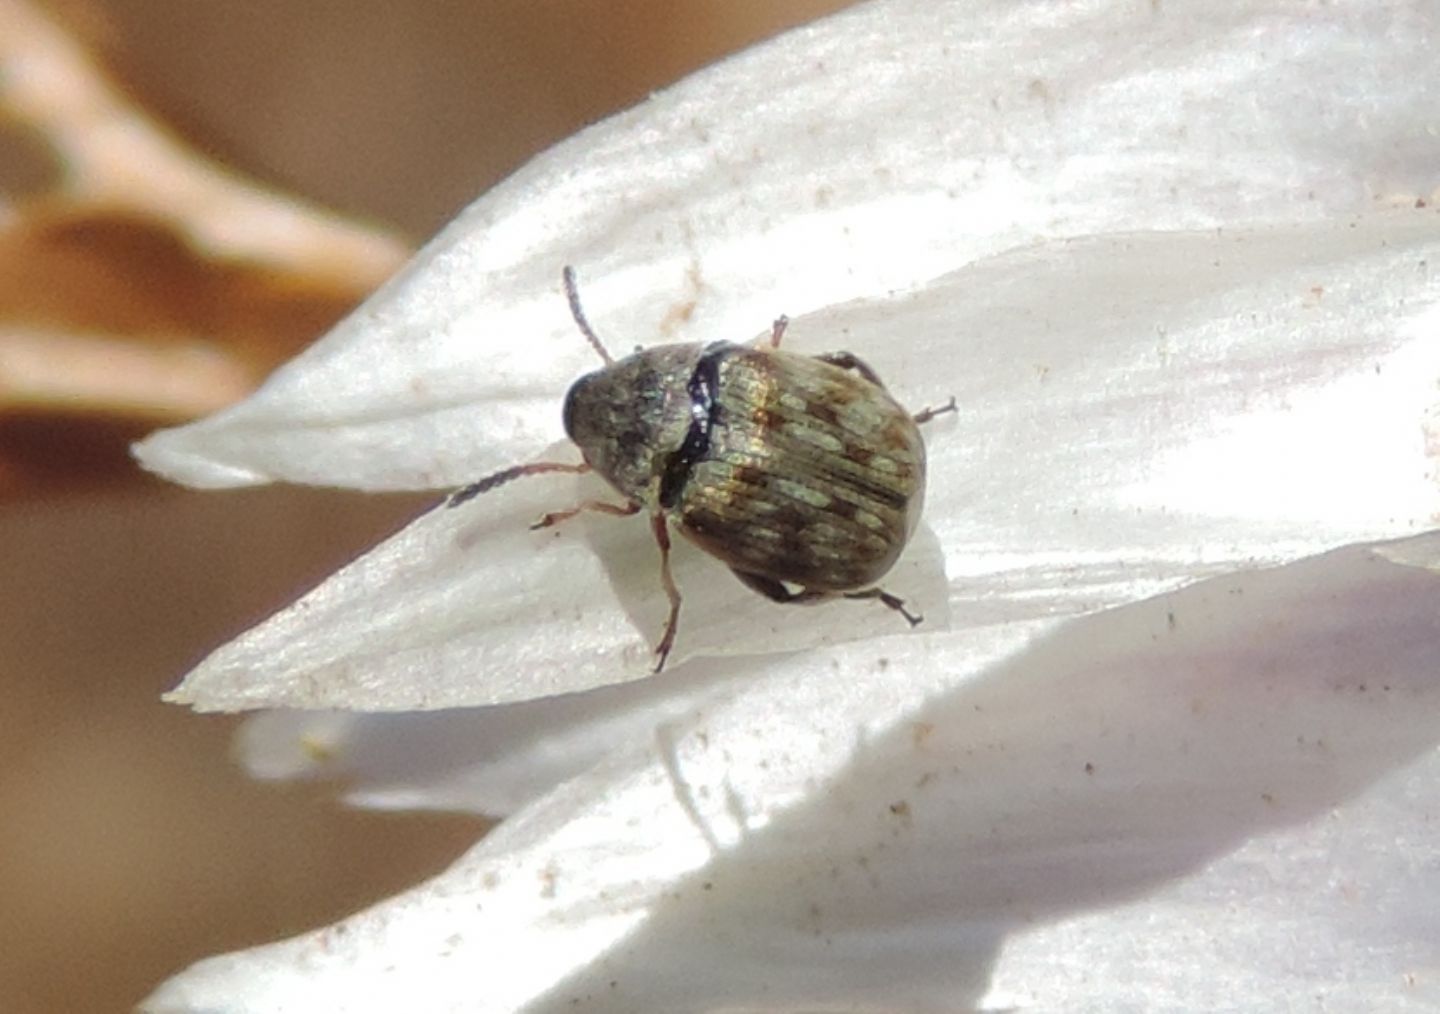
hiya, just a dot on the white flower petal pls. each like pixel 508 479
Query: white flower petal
pixel 1339 913
pixel 1187 404
pixel 867 153
pixel 481 760
pixel 1184 793
pixel 1103 740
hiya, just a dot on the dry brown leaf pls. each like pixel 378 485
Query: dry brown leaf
pixel 142 284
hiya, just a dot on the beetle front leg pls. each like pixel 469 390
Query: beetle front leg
pixel 618 509
pixel 661 528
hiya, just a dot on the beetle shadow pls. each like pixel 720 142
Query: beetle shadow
pixel 720 617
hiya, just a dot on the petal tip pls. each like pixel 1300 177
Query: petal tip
pixel 172 454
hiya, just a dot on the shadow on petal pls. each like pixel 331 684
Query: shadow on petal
pixel 1124 752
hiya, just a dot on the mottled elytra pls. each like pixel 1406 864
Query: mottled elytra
pixel 800 473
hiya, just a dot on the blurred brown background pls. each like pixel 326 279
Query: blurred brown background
pixel 130 845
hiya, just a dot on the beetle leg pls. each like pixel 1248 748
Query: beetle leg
pixel 660 527
pixel 777 592
pixel 927 413
pixel 505 475
pixel 618 509
pixel 777 330
pixel 850 361
pixel 897 604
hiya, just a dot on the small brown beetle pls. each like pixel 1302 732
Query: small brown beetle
pixel 798 472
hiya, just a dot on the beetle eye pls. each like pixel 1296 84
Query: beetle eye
pixel 571 397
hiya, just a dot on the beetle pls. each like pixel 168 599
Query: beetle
pixel 801 473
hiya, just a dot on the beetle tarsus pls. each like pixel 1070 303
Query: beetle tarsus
pixel 926 414
pixel 893 601
pixel 776 591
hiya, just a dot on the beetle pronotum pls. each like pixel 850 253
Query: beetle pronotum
pixel 800 473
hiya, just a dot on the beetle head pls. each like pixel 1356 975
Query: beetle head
pixel 628 418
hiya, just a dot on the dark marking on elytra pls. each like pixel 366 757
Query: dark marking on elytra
pixel 703 387
pixel 843 508
pixel 750 475
pixel 765 418
pixel 859 454
pixel 824 412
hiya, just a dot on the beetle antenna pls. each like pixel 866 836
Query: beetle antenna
pixel 573 295
pixel 510 474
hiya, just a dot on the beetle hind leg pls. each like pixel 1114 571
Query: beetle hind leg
pixel 776 591
pixel 926 414
pixel 894 602
pixel 850 361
